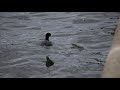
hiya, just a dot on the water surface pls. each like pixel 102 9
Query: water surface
pixel 81 43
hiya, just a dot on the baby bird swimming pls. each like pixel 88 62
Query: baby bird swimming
pixel 47 42
pixel 49 62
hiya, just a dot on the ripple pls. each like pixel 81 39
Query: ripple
pixel 68 27
pixel 8 22
pixel 63 35
pixel 40 15
pixel 55 18
pixel 93 40
pixel 22 17
pixel 71 70
pixel 4 29
pixel 22 58
pixel 75 46
pixel 14 65
pixel 33 28
pixel 70 77
pixel 85 21
pixel 18 26
pixel 99 46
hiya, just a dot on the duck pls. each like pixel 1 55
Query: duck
pixel 49 62
pixel 47 42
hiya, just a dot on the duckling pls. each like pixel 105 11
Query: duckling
pixel 47 42
pixel 49 62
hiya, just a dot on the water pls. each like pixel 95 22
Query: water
pixel 81 43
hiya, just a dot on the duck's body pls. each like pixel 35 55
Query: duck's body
pixel 49 62
pixel 47 42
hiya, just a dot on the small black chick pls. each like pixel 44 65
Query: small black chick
pixel 49 62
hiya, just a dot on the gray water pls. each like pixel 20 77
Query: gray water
pixel 81 43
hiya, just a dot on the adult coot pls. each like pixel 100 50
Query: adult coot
pixel 47 42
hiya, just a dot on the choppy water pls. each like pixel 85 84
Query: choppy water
pixel 81 43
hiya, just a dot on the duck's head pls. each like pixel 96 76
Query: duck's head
pixel 47 36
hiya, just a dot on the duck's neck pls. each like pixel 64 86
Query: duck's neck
pixel 47 38
pixel 47 58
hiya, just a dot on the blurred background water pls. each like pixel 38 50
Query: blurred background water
pixel 81 43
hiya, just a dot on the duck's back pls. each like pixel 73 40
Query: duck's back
pixel 49 63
